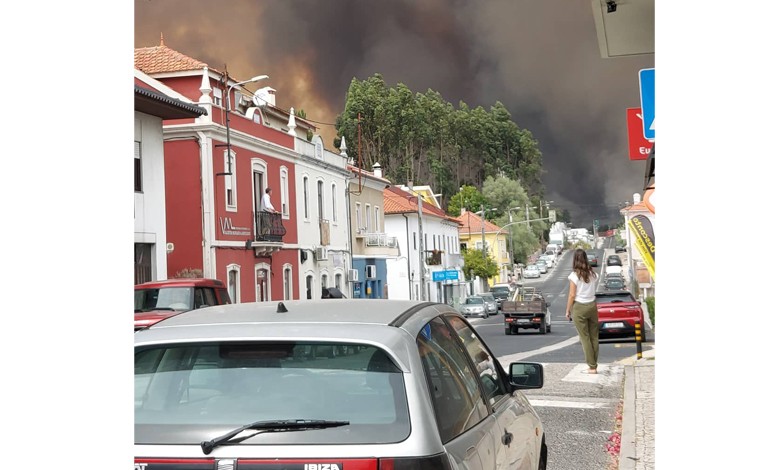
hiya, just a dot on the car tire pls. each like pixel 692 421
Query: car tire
pixel 543 326
pixel 543 461
pixel 515 330
pixel 507 331
pixel 486 314
pixel 548 328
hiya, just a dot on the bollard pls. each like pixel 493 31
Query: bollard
pixel 638 332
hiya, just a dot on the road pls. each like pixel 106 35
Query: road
pixel 578 410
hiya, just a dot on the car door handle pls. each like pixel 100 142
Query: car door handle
pixel 470 451
pixel 507 438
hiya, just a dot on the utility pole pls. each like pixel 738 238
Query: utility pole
pixel 421 246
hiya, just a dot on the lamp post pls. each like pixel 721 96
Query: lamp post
pixel 227 116
pixel 482 213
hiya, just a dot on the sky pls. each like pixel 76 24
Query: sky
pixel 539 58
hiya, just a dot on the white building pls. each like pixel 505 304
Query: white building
pixel 442 276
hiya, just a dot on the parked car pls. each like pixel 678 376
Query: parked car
pixel 542 265
pixel 531 271
pixel 614 260
pixel 618 312
pixel 474 306
pixel 259 384
pixel 548 261
pixel 592 259
pixel 156 300
pixel 620 248
pixel 490 303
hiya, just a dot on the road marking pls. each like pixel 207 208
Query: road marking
pixel 505 360
pixel 607 374
pixel 568 404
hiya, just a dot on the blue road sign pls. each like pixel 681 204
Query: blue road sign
pixel 647 94
pixel 439 276
pixel 452 275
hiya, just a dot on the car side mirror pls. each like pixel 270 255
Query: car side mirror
pixel 525 375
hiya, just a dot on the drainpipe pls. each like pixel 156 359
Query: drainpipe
pixel 408 257
pixel 350 235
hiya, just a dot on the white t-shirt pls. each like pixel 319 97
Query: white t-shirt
pixel 266 204
pixel 585 292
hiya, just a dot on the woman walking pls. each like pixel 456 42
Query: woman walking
pixel 581 307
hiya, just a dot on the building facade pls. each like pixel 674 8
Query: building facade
pixel 476 233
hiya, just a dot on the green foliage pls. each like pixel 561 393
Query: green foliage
pixel 484 268
pixel 422 138
pixel 468 197
pixel 650 301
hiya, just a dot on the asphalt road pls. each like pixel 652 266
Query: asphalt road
pixel 578 410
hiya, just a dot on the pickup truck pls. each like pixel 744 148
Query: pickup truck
pixel 532 313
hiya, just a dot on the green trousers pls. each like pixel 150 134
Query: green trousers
pixel 586 319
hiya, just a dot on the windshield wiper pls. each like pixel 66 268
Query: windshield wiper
pixel 270 426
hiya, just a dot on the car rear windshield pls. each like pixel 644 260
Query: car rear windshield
pixel 604 298
pixel 500 290
pixel 177 298
pixel 185 394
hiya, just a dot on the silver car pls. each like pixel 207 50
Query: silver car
pixel 490 301
pixel 474 305
pixel 313 384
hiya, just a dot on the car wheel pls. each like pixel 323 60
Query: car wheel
pixel 543 326
pixel 507 331
pixel 486 314
pixel 515 330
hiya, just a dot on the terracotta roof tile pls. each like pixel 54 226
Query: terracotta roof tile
pixel 398 201
pixel 472 224
pixel 163 59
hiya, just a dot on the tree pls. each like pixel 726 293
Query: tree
pixel 469 197
pixel 474 261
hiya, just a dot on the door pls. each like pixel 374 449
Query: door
pixel 262 294
pixel 259 189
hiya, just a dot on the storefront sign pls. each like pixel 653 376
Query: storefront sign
pixel 645 241
pixel 227 228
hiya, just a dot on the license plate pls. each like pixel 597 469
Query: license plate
pixel 614 325
pixel 522 320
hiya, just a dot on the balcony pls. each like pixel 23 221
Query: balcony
pixel 269 234
pixel 374 244
pixel 380 239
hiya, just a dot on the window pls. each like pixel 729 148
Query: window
pixel 320 199
pixel 368 217
pixel 334 202
pixel 377 219
pixel 287 283
pixel 338 280
pixel 324 281
pixel 230 180
pixel 284 191
pixel 360 222
pixel 457 401
pixel 137 167
pixel 217 98
pixel 414 239
pixel 305 190
pixel 501 248
pixel 234 283
pixel 434 241
pixel 309 286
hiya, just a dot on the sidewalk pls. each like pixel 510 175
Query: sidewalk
pixel 637 439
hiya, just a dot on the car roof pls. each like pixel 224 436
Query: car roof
pixel 181 282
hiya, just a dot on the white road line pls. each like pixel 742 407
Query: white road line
pixel 505 360
pixel 607 374
pixel 567 404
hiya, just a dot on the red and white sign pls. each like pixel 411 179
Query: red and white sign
pixel 638 147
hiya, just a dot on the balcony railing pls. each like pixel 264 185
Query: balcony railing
pixel 433 257
pixel 269 227
pixel 381 239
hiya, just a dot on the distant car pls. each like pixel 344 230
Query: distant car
pixel 491 303
pixel 613 269
pixel 156 300
pixel 618 312
pixel 614 283
pixel 549 254
pixel 548 261
pixel 501 292
pixel 608 276
pixel 614 260
pixel 620 248
pixel 542 265
pixel 592 259
pixel 306 384
pixel 531 271
pixel 474 306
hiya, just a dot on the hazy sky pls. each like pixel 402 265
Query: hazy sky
pixel 538 57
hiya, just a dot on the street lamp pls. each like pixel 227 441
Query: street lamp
pixel 227 116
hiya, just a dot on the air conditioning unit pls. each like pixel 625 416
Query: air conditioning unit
pixel 353 275
pixel 371 271
pixel 321 254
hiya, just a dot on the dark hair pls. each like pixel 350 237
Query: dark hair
pixel 580 265
pixel 267 190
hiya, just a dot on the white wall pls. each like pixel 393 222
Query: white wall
pixel 150 204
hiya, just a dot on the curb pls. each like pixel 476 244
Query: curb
pixel 627 457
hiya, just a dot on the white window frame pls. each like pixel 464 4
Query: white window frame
pixel 359 220
pixel 377 219
pixel 288 286
pixel 325 279
pixel 368 216
pixel 334 203
pixel 313 294
pixel 216 97
pixel 305 191
pixel 264 266
pixel 230 182
pixel 285 193
pixel 319 184
pixel 138 156
pixel 339 279
pixel 236 296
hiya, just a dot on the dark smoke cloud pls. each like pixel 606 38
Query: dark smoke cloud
pixel 540 58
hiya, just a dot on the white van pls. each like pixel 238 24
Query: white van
pixel 553 247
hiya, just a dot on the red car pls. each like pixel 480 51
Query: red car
pixel 618 312
pixel 156 300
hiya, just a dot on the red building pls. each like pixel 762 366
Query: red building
pixel 214 215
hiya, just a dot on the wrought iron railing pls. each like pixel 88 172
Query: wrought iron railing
pixel 269 227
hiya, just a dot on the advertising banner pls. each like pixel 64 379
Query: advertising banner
pixel 645 240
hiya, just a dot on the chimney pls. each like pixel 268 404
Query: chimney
pixel 637 198
pixel 377 168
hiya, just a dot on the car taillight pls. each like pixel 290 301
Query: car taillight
pixel 433 462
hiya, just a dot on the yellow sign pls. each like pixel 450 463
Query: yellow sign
pixel 644 241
